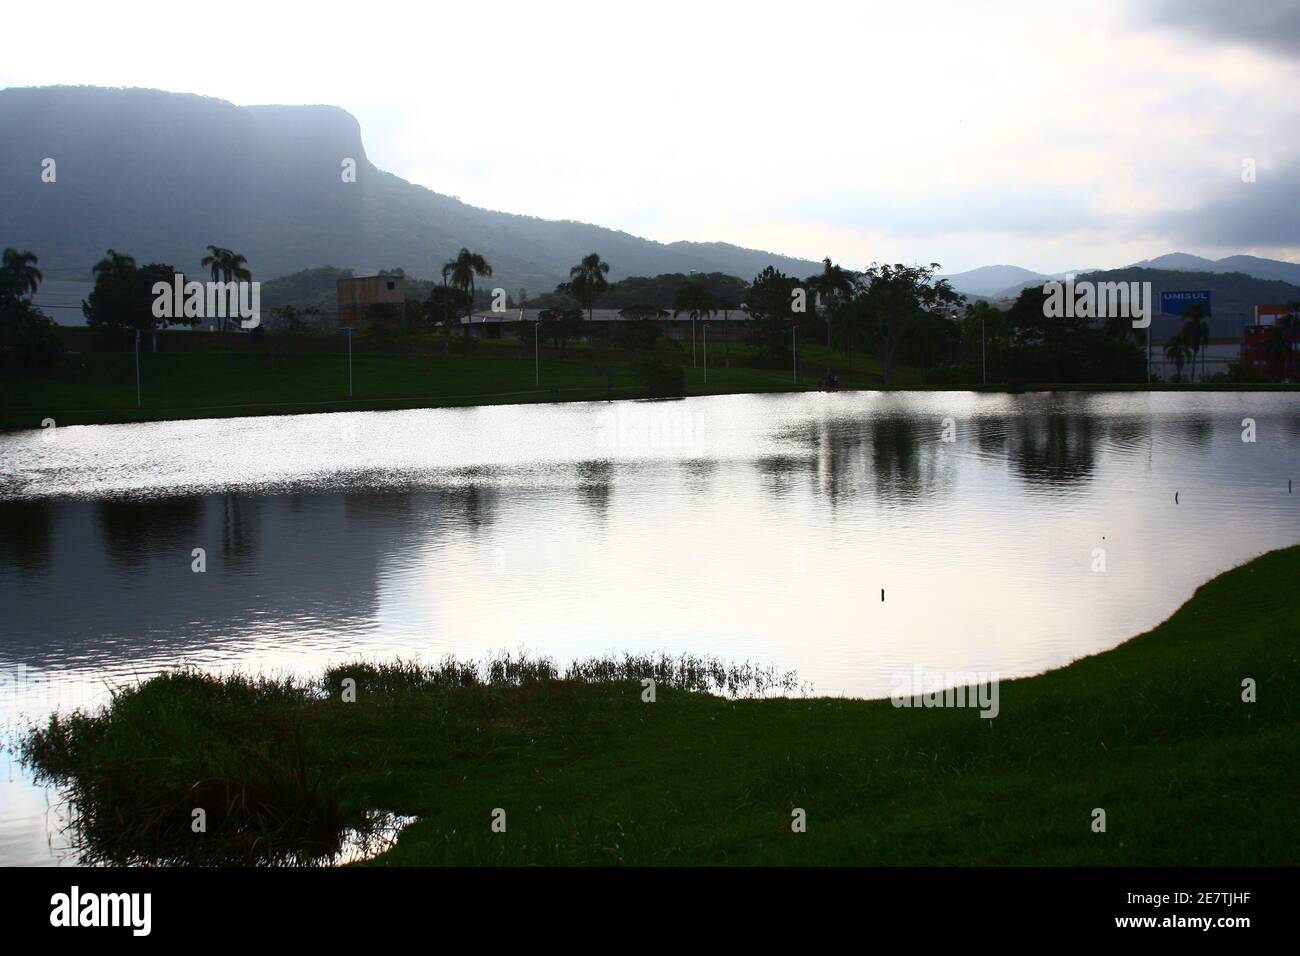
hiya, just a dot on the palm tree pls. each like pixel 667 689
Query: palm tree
pixel 726 305
pixel 1196 333
pixel 1277 350
pixel 114 263
pixel 461 272
pixel 693 298
pixel 1177 350
pixel 215 261
pixel 834 287
pixel 587 281
pixel 225 265
pixel 21 268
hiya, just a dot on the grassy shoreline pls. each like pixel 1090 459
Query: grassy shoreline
pixel 99 388
pixel 1155 732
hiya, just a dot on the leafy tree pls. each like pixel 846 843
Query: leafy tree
pixel 1121 327
pixel 640 328
pixel 661 379
pixel 122 300
pixel 561 325
pixel 985 334
pixel 897 295
pixel 29 344
pixel 1277 350
pixel 291 319
pixel 461 273
pixel 771 311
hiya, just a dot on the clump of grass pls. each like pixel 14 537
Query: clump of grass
pixel 268 760
pixel 690 672
pixel 136 772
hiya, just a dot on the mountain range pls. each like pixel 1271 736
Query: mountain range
pixel 1005 281
pixel 160 176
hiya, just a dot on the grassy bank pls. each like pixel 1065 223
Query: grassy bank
pixel 1154 732
pixel 99 387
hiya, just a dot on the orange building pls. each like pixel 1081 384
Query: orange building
pixel 358 294
pixel 1256 350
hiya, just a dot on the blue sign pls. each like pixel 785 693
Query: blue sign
pixel 1176 303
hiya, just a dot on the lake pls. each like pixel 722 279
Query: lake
pixel 764 528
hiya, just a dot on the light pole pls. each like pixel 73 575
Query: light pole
pixel 706 353
pixel 137 368
pixel 693 363
pixel 537 365
pixel 1149 330
pixel 794 351
pixel 984 364
pixel 347 330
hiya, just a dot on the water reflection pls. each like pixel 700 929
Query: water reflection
pixel 753 528
pixel 131 530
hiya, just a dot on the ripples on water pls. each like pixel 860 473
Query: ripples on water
pixel 757 528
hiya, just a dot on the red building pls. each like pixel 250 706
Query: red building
pixel 1259 346
pixel 358 294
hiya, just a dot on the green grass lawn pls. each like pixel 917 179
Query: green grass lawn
pixel 1154 732
pixel 99 387
pixel 95 387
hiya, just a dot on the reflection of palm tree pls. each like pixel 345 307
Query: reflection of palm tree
pixel 461 272
pixel 21 268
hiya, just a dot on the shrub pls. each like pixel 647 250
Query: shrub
pixel 661 379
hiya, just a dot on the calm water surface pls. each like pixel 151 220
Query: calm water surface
pixel 759 528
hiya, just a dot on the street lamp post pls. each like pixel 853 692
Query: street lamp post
pixel 706 353
pixel 984 364
pixel 537 365
pixel 137 368
pixel 347 330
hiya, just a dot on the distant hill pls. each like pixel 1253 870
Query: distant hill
pixel 1234 294
pixel 1250 265
pixel 989 280
pixel 161 175
pixel 1002 282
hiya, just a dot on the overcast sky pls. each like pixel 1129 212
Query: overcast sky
pixel 1052 135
